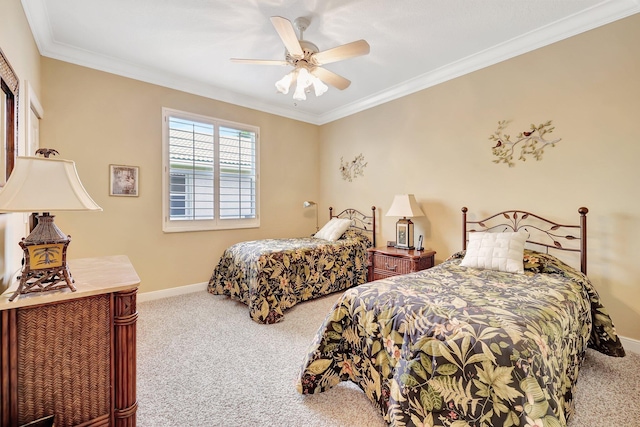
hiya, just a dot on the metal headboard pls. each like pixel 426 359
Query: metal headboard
pixel 547 233
pixel 359 220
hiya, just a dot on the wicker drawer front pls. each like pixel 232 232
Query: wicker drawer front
pixel 424 263
pixel 65 361
pixel 389 265
pixel 387 262
pixel 382 274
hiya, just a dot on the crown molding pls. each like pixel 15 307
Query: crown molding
pixel 596 16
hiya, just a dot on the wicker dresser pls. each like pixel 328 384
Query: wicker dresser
pixel 72 354
pixel 388 261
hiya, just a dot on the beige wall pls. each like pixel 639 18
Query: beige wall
pixel 19 48
pixel 97 119
pixel 435 144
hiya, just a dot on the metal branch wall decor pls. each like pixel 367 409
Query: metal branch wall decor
pixel 532 142
pixel 352 169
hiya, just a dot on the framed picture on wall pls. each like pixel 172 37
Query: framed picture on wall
pixel 123 180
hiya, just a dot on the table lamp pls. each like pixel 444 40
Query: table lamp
pixel 404 205
pixel 41 184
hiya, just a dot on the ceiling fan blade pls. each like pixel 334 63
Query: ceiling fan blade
pixel 349 50
pixel 288 36
pixel 331 78
pixel 260 61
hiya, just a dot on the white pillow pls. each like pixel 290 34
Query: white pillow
pixel 496 251
pixel 333 229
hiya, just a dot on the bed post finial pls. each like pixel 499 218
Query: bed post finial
pixel 464 227
pixel 373 214
pixel 583 239
pixel 330 212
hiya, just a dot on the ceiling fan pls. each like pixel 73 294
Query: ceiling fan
pixel 307 60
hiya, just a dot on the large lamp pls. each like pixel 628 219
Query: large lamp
pixel 41 184
pixel 308 204
pixel 404 205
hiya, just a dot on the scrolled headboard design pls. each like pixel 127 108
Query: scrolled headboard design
pixel 359 220
pixel 542 232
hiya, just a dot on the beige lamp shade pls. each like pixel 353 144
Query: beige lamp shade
pixel 405 205
pixel 44 185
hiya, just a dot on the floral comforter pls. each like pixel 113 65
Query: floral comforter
pixel 273 275
pixel 454 346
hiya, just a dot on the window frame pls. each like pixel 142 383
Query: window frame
pixel 185 225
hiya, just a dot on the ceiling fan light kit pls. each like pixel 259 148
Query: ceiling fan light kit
pixel 306 60
pixel 304 82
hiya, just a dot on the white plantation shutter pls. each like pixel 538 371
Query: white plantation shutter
pixel 237 173
pixel 210 173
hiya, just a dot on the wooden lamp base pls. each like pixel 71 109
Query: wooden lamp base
pixel 45 259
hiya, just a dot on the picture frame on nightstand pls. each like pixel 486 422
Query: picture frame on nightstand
pixel 402 236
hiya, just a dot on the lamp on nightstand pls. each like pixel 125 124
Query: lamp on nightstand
pixel 406 206
pixel 41 184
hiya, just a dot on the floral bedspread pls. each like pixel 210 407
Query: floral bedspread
pixel 454 346
pixel 273 275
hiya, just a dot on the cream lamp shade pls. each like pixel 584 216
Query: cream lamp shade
pixel 406 206
pixel 40 184
pixel 43 185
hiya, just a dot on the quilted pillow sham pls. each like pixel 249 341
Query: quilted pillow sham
pixel 496 251
pixel 334 229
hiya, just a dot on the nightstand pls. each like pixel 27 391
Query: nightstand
pixel 388 261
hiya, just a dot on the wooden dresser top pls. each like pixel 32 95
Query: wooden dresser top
pixel 93 276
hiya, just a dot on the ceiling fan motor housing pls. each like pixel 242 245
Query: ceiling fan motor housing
pixel 308 49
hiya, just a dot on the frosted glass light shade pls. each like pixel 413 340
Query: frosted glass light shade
pixel 44 185
pixel 303 81
pixel 284 83
pixel 318 86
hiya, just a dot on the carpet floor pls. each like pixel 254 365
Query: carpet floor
pixel 203 362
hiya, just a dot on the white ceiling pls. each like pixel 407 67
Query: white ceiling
pixel 415 44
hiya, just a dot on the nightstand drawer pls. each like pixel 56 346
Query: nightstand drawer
pixel 390 264
pixel 386 262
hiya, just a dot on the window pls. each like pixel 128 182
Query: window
pixel 210 173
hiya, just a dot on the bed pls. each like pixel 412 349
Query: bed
pixel 272 275
pixel 458 345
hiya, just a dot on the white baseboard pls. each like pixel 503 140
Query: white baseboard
pixel 630 345
pixel 172 292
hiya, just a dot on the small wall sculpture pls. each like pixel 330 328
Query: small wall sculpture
pixel 352 169
pixel 532 142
